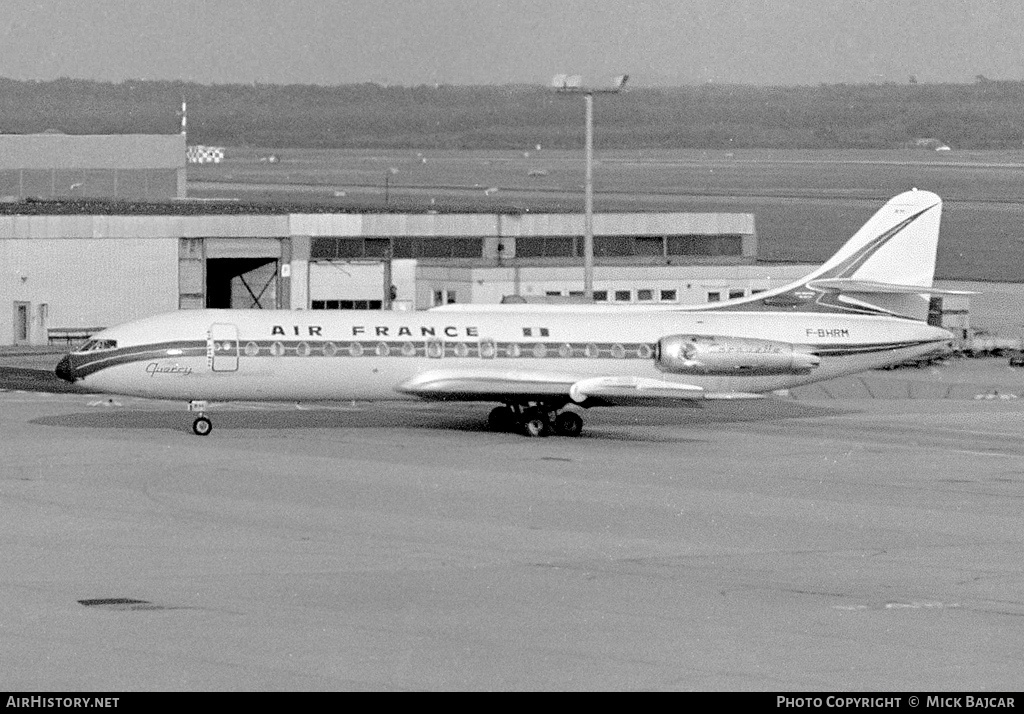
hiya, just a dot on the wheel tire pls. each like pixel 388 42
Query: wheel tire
pixel 202 426
pixel 501 419
pixel 535 426
pixel 568 424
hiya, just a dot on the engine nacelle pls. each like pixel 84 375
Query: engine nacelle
pixel 709 354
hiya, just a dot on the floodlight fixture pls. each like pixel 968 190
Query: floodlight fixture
pixel 574 83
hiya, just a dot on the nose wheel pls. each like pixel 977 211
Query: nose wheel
pixel 202 425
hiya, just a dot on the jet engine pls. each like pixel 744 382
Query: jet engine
pixel 709 354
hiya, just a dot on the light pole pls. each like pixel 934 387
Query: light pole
pixel 570 84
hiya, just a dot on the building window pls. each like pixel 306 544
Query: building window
pixel 649 245
pixel 644 295
pixel 350 248
pixel 327 248
pixel 553 293
pixel 714 296
pixel 445 297
pixel 529 247
pixel 600 296
pixel 346 304
pixel 404 248
pixel 668 295
pixel 705 245
pixel 613 246
pixel 323 248
pixel 448 248
pixel 434 248
pixel 546 247
pixel 733 294
pixel 376 247
pixel 622 296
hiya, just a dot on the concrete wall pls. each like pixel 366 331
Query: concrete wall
pixel 85 282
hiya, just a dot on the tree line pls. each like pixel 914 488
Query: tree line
pixel 982 115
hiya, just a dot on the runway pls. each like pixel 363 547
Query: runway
pixel 792 544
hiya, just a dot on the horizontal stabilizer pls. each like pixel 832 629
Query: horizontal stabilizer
pixel 848 285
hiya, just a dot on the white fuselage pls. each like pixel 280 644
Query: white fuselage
pixel 324 355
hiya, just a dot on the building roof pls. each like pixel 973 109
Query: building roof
pixel 187 218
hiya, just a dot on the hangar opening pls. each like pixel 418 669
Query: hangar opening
pixel 234 273
pixel 241 283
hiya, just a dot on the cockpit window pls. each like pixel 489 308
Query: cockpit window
pixel 96 345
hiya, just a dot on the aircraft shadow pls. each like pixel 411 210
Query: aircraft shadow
pixel 35 380
pixel 613 424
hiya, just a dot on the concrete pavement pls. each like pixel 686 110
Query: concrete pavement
pixel 833 544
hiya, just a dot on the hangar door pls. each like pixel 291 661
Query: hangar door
pixel 347 285
pixel 237 273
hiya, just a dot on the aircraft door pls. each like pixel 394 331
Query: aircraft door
pixel 222 347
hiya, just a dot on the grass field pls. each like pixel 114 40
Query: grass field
pixel 806 203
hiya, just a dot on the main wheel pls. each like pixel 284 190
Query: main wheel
pixel 202 426
pixel 535 427
pixel 535 423
pixel 568 424
pixel 501 419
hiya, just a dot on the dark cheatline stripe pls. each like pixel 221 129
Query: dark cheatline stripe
pixel 86 363
pixel 845 351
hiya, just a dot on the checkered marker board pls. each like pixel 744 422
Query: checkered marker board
pixel 205 154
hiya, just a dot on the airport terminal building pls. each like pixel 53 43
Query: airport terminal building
pixel 70 268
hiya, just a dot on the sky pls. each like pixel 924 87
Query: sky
pixel 413 42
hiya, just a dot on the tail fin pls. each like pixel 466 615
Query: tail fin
pixel 887 267
pixel 897 245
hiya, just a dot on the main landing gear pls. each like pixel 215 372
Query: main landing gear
pixel 536 420
pixel 202 426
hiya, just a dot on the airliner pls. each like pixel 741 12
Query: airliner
pixel 864 308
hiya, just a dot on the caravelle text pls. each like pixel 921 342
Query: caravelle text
pixel 155 368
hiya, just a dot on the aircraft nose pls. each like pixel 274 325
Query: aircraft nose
pixel 66 370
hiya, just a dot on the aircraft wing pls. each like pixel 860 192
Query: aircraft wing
pixel 494 386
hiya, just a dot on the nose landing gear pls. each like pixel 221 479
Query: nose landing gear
pixel 202 426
